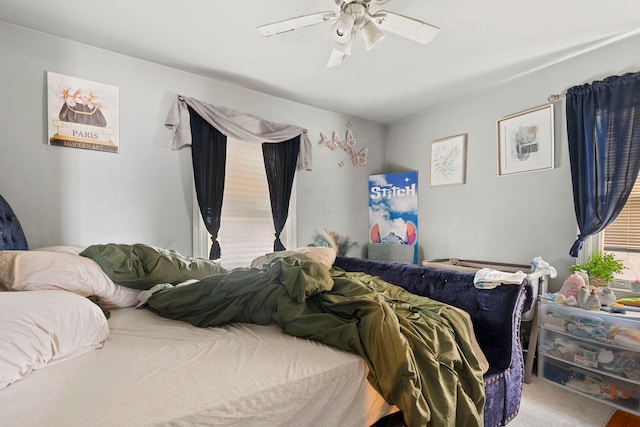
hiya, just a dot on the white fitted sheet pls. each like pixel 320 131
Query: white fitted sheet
pixel 154 371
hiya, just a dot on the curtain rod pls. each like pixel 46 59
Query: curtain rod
pixel 554 98
pixel 610 40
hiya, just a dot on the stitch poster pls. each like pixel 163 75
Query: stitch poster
pixel 82 114
pixel 393 209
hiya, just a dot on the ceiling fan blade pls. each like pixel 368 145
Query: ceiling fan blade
pixel 295 23
pixel 405 26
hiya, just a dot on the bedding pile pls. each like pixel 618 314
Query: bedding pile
pixel 420 352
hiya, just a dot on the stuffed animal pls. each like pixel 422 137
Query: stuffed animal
pixel 571 286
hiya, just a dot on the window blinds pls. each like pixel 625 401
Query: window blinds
pixel 246 229
pixel 623 234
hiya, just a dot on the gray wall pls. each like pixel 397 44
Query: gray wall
pixel 143 194
pixel 510 218
pixel 79 197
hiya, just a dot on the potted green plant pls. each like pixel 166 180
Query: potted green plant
pixel 600 268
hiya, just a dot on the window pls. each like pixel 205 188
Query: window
pixel 622 236
pixel 246 228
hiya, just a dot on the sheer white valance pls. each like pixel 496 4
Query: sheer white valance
pixel 235 125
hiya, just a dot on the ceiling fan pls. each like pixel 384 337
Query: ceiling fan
pixel 354 15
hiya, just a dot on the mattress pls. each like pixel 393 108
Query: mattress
pixel 154 371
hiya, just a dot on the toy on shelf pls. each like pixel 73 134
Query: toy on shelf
pixel 576 292
pixel 592 302
pixel 571 287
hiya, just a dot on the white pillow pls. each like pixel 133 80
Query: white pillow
pixel 65 249
pixel 45 270
pixel 40 328
pixel 324 255
pixel 321 254
pixel 259 262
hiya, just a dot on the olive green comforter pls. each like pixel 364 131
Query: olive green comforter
pixel 418 350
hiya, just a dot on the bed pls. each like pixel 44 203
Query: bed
pixel 154 371
pixel 139 368
pixel 146 370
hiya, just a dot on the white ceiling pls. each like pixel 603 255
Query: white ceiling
pixel 481 44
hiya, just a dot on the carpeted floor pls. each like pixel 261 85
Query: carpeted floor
pixel 545 404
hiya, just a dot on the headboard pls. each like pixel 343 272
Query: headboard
pixel 11 235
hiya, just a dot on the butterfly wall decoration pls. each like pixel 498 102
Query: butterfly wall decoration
pixel 348 145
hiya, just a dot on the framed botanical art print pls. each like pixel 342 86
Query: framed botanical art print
pixel 525 141
pixel 448 160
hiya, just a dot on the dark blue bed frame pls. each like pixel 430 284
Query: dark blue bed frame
pixel 11 235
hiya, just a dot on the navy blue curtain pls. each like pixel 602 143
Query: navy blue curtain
pixel 603 127
pixel 280 165
pixel 209 155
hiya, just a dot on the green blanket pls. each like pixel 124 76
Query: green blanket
pixel 142 266
pixel 418 350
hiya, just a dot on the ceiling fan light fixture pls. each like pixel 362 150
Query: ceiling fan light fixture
pixel 335 58
pixel 371 34
pixel 354 15
pixel 345 48
pixel 343 28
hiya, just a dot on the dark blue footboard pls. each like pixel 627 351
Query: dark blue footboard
pixel 495 314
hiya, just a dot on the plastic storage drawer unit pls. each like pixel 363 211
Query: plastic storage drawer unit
pixel 592 353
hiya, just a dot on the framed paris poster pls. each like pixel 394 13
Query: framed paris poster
pixel 82 114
